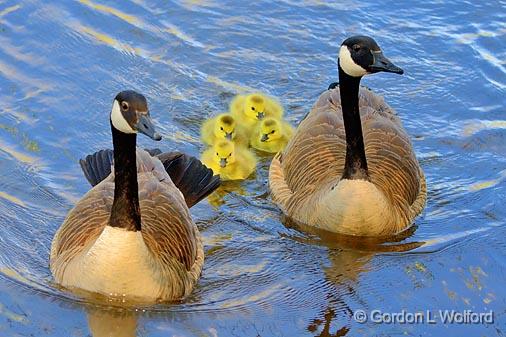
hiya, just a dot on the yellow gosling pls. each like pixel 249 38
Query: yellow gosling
pixel 271 135
pixel 249 109
pixel 223 126
pixel 229 161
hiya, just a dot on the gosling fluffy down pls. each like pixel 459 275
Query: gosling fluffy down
pixel 249 109
pixel 223 126
pixel 271 135
pixel 229 161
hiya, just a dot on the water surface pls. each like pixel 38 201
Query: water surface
pixel 62 62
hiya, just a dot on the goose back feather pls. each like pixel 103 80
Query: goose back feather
pixel 312 164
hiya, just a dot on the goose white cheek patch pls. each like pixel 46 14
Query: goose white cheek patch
pixel 348 65
pixel 118 121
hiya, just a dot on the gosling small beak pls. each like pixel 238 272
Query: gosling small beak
pixel 261 115
pixel 265 137
pixel 228 135
pixel 381 63
pixel 145 125
pixel 223 162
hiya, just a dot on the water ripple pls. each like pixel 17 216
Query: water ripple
pixel 62 63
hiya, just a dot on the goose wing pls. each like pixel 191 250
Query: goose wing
pixel 82 226
pixel 189 175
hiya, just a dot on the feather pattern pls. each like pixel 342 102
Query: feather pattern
pixel 190 176
pixel 306 173
pixel 174 247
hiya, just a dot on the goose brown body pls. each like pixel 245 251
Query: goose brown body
pixel 306 178
pixel 173 257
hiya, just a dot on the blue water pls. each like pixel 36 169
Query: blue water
pixel 62 62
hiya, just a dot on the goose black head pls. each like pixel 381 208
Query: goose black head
pixel 130 114
pixel 361 55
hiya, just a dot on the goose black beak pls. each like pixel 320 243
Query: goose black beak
pixel 265 137
pixel 381 63
pixel 223 162
pixel 145 125
pixel 261 115
pixel 228 135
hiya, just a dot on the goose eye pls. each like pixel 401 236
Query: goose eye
pixel 230 154
pixel 356 47
pixel 273 131
pixel 253 108
pixel 217 154
pixel 124 106
pixel 221 128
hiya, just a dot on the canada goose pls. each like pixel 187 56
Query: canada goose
pixel 271 135
pixel 132 234
pixel 327 178
pixel 223 126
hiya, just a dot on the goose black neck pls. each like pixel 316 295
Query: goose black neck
pixel 125 211
pixel 355 165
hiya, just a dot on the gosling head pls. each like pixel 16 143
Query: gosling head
pixel 224 128
pixel 270 130
pixel 224 153
pixel 361 55
pixel 130 114
pixel 254 106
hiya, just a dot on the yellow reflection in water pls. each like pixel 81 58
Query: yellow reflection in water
pixel 478 126
pixel 217 198
pixel 182 136
pixel 12 316
pixel 24 158
pixel 487 183
pixel 108 40
pixel 12 199
pixel 198 3
pixel 28 143
pixel 183 36
pixel 229 85
pixel 16 276
pixel 113 11
pixel 468 38
pixel 9 10
pixel 107 323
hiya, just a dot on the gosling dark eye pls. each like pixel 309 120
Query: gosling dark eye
pixel 273 131
pixel 230 154
pixel 124 106
pixel 221 128
pixel 356 47
pixel 217 154
pixel 252 108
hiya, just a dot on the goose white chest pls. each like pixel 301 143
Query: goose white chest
pixel 118 263
pixel 355 207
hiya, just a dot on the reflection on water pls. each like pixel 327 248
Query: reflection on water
pixel 106 323
pixel 62 62
pixel 324 325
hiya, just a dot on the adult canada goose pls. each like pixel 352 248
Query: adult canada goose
pixel 350 166
pixel 132 234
